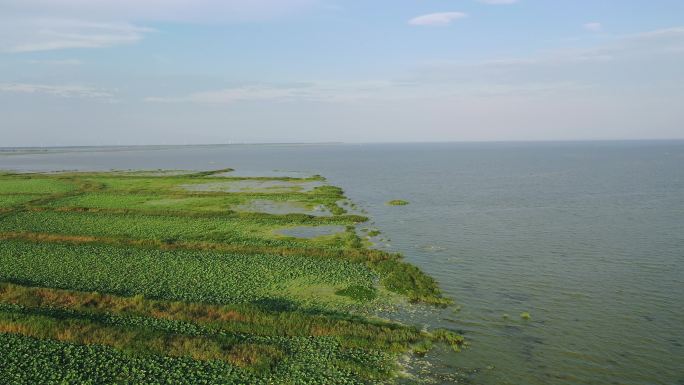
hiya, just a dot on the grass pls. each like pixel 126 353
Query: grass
pixel 25 184
pixel 141 195
pixel 9 201
pixel 209 173
pixel 128 335
pixel 135 277
pixel 397 202
pixel 243 319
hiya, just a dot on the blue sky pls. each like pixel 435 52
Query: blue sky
pixel 81 72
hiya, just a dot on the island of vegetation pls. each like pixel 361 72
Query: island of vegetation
pixel 397 202
pixel 193 278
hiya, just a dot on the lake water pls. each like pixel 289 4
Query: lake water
pixel 586 237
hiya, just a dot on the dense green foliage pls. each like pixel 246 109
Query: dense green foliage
pixel 359 293
pixel 28 185
pixel 162 277
pixel 26 360
pixel 192 202
pixel 175 275
pixel 10 200
pixel 263 318
pixel 257 230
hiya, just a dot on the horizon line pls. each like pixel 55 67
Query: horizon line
pixel 4 148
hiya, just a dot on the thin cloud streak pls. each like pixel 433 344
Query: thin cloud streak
pixel 57 62
pixel 190 11
pixel 554 74
pixel 438 19
pixel 64 91
pixel 35 35
pixel 47 25
pixel 279 93
pixel 593 27
pixel 498 2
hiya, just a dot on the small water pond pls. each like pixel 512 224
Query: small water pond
pixel 311 231
pixel 281 207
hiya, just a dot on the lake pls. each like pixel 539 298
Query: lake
pixel 587 237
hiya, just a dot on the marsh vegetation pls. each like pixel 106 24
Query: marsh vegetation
pixel 139 277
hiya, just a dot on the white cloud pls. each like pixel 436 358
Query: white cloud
pixel 65 91
pixel 304 92
pixel 43 25
pixel 30 35
pixel 674 32
pixel 497 2
pixel 437 19
pixel 554 74
pixel 614 67
pixel 593 27
pixel 237 94
pixel 196 11
pixel 57 62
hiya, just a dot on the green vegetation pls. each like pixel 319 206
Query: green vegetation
pixel 526 316
pixel 157 277
pixel 374 233
pixel 358 293
pixel 255 230
pixel 9 201
pixel 195 276
pixel 25 184
pixel 209 173
pixel 397 202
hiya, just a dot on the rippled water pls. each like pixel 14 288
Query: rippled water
pixel 586 237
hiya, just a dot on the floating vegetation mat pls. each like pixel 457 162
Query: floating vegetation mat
pixel 199 277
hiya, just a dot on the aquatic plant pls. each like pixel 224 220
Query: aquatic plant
pixel 397 202
pixel 358 293
pixel 374 233
pixel 129 277
pixel 173 275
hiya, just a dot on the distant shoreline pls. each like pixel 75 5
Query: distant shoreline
pixel 112 147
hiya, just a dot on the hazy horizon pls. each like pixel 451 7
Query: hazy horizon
pixel 93 73
pixel 569 141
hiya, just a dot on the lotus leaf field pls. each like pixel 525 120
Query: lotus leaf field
pixel 164 278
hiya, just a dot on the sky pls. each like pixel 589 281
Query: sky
pixel 120 72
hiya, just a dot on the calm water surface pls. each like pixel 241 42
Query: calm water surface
pixel 586 237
